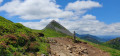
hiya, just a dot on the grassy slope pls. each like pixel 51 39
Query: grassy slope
pixel 51 33
pixel 90 39
pixel 114 43
pixel 18 40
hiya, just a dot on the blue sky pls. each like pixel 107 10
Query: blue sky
pixel 109 13
pixel 99 15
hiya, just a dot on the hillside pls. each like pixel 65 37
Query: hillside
pixel 18 40
pixel 114 43
pixel 53 25
pixel 51 32
pixel 89 37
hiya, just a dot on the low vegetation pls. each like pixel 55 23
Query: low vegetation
pixel 18 40
pixel 114 43
pixel 51 33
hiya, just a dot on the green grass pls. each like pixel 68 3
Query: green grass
pixel 51 33
pixel 18 40
pixel 57 25
pixel 114 43
pixel 113 52
pixel 44 47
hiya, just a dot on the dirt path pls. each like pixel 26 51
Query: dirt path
pixel 66 47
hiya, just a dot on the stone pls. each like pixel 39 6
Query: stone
pixel 61 54
pixel 85 51
pixel 43 55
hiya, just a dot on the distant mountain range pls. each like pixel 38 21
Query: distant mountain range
pixel 107 38
pixel 98 38
pixel 89 37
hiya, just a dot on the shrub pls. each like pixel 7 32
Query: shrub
pixel 24 36
pixel 17 40
pixel 34 46
pixel 10 37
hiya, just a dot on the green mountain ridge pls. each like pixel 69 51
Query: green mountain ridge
pixel 89 37
pixel 114 43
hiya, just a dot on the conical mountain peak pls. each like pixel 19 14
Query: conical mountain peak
pixel 54 25
pixel 53 21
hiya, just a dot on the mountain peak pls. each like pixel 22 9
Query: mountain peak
pixel 54 25
pixel 53 21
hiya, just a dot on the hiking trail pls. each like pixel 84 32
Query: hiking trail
pixel 66 47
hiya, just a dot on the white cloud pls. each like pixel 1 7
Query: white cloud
pixel 1 1
pixel 41 9
pixel 37 25
pixel 35 9
pixel 79 8
pixel 90 17
pixel 85 25
pixel 81 5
